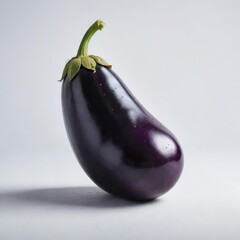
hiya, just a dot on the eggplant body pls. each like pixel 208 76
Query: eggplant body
pixel 118 143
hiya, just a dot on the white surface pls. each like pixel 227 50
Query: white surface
pixel 53 199
pixel 179 58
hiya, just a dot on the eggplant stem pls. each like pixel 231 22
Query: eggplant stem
pixel 83 48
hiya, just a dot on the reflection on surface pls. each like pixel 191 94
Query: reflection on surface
pixel 164 144
pixel 124 99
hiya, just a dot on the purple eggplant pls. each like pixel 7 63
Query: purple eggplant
pixel 119 144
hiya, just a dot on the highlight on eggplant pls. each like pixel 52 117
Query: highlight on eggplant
pixel 123 148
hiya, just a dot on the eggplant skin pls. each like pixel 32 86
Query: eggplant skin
pixel 118 143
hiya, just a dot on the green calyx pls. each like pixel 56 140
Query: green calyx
pixel 82 58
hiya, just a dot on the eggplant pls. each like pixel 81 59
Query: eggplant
pixel 119 144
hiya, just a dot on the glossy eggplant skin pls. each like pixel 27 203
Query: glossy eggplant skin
pixel 120 145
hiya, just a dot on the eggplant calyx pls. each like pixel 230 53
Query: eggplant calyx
pixel 73 66
pixel 82 58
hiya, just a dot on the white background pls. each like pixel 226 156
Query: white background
pixel 179 58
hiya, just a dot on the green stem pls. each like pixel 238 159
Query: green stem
pixel 83 48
